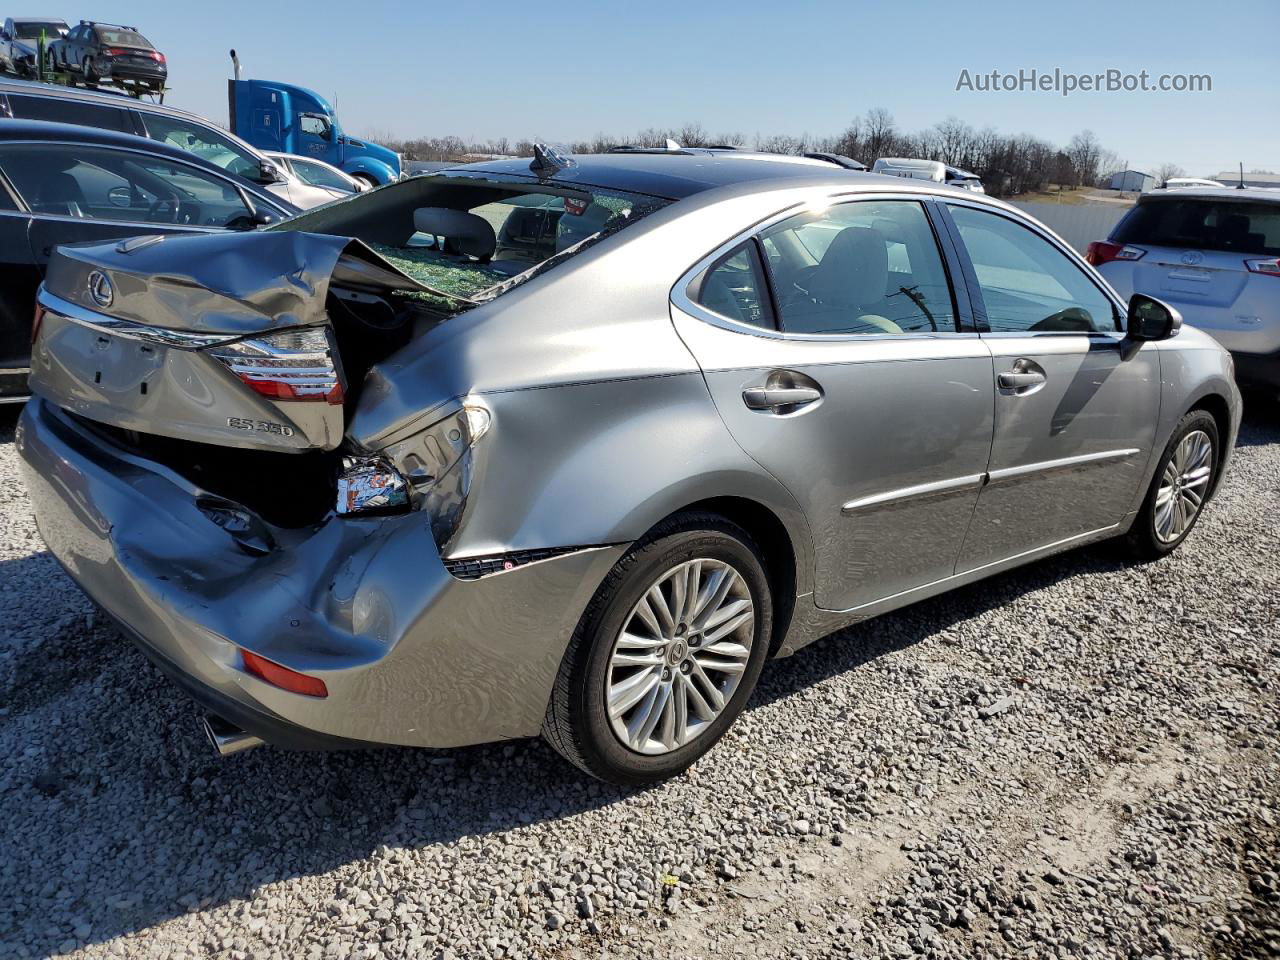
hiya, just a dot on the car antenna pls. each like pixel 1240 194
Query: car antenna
pixel 672 145
pixel 548 162
pixel 1240 185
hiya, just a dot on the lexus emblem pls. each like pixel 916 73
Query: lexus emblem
pixel 100 290
pixel 1192 257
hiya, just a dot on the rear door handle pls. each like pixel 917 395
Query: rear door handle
pixel 771 398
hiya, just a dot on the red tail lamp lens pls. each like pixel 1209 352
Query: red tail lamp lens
pixel 283 677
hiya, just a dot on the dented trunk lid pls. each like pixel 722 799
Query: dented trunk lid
pixel 223 339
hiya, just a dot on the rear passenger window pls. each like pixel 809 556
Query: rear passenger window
pixel 67 110
pixel 867 267
pixel 1028 285
pixel 734 287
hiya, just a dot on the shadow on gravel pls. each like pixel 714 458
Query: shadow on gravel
pixel 9 413
pixel 117 817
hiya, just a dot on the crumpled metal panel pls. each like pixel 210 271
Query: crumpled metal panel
pixel 235 283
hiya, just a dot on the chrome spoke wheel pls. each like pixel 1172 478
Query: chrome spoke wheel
pixel 680 655
pixel 1183 486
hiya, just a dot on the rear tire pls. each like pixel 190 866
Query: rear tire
pixel 1181 486
pixel 688 702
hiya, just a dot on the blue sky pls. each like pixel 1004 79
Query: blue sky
pixel 565 70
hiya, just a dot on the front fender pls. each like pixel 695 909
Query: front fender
pixel 370 167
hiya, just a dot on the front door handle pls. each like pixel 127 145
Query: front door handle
pixel 771 398
pixel 1015 381
pixel 1024 378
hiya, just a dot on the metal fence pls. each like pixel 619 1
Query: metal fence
pixel 1077 223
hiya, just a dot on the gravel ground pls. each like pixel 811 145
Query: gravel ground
pixel 1076 759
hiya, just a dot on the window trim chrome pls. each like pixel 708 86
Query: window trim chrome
pixel 680 298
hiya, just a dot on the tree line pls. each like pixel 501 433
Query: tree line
pixel 1007 164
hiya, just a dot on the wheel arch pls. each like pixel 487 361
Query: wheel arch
pixel 1217 407
pixel 777 547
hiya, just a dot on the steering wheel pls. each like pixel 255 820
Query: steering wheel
pixel 164 209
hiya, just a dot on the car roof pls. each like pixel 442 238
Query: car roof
pixel 37 88
pixel 1212 193
pixel 11 130
pixel 671 175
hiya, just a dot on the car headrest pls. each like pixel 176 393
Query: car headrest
pixel 855 269
pixel 574 228
pixel 464 233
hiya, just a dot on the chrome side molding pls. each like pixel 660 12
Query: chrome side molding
pixel 940 488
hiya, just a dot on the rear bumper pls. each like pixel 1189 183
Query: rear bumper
pixel 409 654
pixel 13 384
pixel 131 71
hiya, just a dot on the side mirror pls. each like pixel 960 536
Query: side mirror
pixel 1152 319
pixel 251 221
pixel 268 172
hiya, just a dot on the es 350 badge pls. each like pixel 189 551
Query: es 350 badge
pixel 259 426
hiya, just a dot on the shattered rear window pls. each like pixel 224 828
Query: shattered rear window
pixel 472 238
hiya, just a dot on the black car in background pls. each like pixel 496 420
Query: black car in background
pixel 108 52
pixel 67 184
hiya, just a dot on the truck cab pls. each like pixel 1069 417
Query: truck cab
pixel 285 118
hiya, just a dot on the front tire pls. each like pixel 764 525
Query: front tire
pixel 368 181
pixel 1183 480
pixel 666 654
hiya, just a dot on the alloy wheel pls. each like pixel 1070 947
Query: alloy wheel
pixel 1183 486
pixel 680 656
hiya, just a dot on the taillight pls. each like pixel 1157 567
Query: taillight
pixel 290 365
pixel 1270 268
pixel 36 321
pixel 1104 251
pixel 115 52
pixel 283 677
pixel 157 56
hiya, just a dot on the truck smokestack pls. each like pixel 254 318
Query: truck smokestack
pixel 235 64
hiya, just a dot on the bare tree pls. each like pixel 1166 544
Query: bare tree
pixel 1006 164
pixel 878 133
pixel 1165 171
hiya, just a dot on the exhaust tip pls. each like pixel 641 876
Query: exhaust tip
pixel 226 738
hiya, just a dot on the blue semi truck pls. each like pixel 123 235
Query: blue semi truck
pixel 287 118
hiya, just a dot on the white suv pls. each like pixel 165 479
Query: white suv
pixel 1215 255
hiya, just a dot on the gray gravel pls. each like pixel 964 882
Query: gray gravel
pixel 1076 759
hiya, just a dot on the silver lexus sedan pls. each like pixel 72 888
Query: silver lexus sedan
pixel 571 447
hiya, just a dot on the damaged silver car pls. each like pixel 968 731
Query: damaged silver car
pixel 572 447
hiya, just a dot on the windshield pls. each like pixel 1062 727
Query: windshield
pixel 320 175
pixel 470 239
pixel 31 29
pixel 1204 224
pixel 124 38
pixel 204 142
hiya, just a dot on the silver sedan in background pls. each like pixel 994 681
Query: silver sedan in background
pixel 573 446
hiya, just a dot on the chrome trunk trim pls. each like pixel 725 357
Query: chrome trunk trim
pixel 128 328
